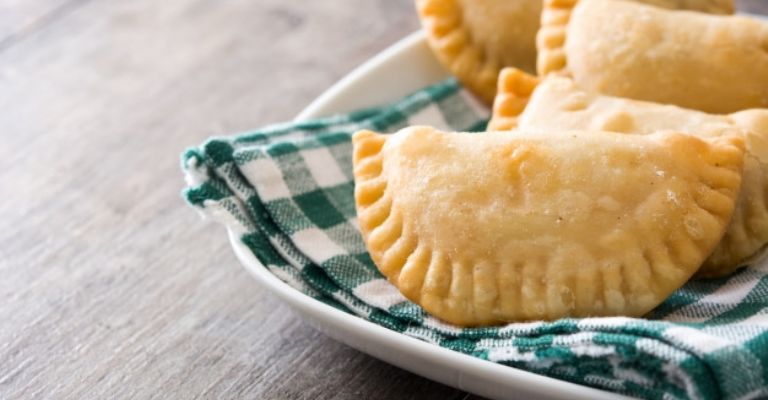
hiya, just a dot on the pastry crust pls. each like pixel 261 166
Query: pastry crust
pixel 474 39
pixel 492 228
pixel 558 103
pixel 515 88
pixel 717 64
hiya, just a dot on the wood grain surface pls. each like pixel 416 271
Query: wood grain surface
pixel 110 286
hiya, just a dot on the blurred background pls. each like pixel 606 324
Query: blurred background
pixel 111 286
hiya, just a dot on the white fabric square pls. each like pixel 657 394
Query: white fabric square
pixel 431 116
pixel 474 104
pixel 266 177
pixel 379 293
pixel 316 245
pixel 604 322
pixel 323 167
pixel 510 354
pixel 696 339
pixel 521 328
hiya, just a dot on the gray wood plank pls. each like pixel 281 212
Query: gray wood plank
pixel 19 18
pixel 753 6
pixel 111 286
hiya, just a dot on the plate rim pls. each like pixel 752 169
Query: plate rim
pixel 319 106
pixel 552 388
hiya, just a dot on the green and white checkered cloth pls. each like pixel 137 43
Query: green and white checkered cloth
pixel 287 190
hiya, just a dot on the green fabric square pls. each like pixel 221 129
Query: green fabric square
pixel 364 258
pixel 253 138
pixel 318 208
pixel 282 148
pixel 349 272
pixel 343 198
pixel 218 151
pixel 386 122
pixel 262 248
pixel 207 191
pixel 333 139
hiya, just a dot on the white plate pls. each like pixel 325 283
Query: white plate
pixel 402 69
pixel 452 368
pixel 399 70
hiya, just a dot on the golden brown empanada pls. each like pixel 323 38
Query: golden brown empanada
pixel 557 103
pixel 474 39
pixel 717 64
pixel 483 229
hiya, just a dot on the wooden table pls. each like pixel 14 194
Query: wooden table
pixel 111 286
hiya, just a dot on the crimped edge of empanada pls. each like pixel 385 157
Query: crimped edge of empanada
pixel 401 258
pixel 513 92
pixel 452 43
pixel 550 41
pixel 752 238
pixel 744 241
pixel 515 88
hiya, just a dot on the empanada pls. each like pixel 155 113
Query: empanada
pixel 717 64
pixel 474 39
pixel 482 229
pixel 557 103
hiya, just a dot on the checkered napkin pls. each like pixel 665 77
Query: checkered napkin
pixel 287 191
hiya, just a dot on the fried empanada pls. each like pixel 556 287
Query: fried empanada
pixel 716 64
pixel 482 229
pixel 474 39
pixel 525 101
pixel 557 103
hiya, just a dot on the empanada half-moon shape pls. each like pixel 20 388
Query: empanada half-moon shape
pixel 716 64
pixel 474 39
pixel 483 229
pixel 558 103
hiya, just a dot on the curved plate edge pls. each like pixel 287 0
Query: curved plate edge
pixel 408 62
pixel 431 361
